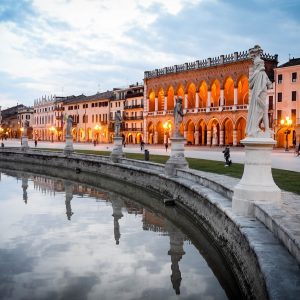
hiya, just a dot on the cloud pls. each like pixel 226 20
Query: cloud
pixel 76 45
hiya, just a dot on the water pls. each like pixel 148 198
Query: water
pixel 64 240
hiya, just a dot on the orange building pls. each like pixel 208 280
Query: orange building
pixel 216 98
pixel 287 104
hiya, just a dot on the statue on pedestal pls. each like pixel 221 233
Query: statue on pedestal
pixel 258 108
pixel 25 128
pixel 178 116
pixel 118 122
pixel 69 126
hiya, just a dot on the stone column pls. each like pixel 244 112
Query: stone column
pixel 156 104
pixel 234 137
pixel 69 189
pixel 196 136
pixel 208 101
pixel 155 137
pixel 185 101
pixel 185 134
pixel 221 137
pixel 166 104
pixel 235 96
pixel 174 100
pixel 117 151
pixel 222 97
pixel 197 100
pixel 208 137
pixel 24 187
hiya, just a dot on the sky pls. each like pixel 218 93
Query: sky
pixel 72 47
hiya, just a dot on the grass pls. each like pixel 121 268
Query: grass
pixel 286 180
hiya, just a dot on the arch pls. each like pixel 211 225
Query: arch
pixel 215 93
pixel 150 130
pixel 151 101
pixel 243 90
pixel 89 134
pixel 229 92
pixel 214 128
pixel 228 131
pixel 161 99
pixel 201 133
pixel 160 133
pixel 139 138
pixel 203 94
pixel 170 98
pixel 190 132
pixel 129 138
pixel 191 92
pixel 180 91
pixel 240 129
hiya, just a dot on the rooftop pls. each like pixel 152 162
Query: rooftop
pixel 291 62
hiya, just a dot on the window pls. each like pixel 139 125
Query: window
pixel 93 104
pixel 279 97
pixel 270 102
pixel 293 116
pixel 294 95
pixel 294 77
pixel 279 113
pixel 279 79
pixel 92 117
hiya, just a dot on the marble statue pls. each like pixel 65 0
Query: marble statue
pixel 118 121
pixel 215 136
pixel 69 126
pixel 258 107
pixel 178 115
pixel 25 127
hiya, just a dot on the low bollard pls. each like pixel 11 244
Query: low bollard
pixel 147 155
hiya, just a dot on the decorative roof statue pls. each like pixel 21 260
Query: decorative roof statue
pixel 258 107
pixel 178 115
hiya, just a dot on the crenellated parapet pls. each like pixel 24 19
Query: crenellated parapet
pixel 206 63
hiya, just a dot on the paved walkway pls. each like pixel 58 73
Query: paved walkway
pixel 280 158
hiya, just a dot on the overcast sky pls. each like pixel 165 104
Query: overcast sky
pixel 70 47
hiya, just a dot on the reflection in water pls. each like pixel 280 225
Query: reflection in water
pixel 147 255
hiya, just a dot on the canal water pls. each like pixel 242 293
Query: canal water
pixel 65 240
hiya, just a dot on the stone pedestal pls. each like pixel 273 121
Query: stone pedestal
pixel 257 183
pixel 69 146
pixel 117 151
pixel 25 145
pixel 177 159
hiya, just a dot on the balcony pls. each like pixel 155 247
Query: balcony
pixel 132 95
pixel 134 129
pixel 133 118
pixel 134 106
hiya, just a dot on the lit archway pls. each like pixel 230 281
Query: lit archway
pixel 202 132
pixel 151 101
pixel 150 133
pixel 160 133
pixel 229 92
pixel 240 129
pixel 190 137
pixel 243 90
pixel 203 92
pixel 161 99
pixel 170 98
pixel 215 93
pixel 228 132
pixel 180 91
pixel 191 96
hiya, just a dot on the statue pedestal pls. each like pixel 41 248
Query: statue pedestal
pixel 117 151
pixel 177 159
pixel 257 183
pixel 25 145
pixel 69 145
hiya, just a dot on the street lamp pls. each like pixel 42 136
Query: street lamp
pixel 97 129
pixel 52 130
pixel 21 133
pixel 287 122
pixel 167 128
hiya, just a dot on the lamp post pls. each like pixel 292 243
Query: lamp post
pixel 21 133
pixel 167 128
pixel 287 122
pixel 52 130
pixel 97 129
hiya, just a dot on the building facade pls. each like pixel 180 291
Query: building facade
pixel 287 103
pixel 215 95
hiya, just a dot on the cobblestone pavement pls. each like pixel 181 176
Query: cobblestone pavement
pixel 280 158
